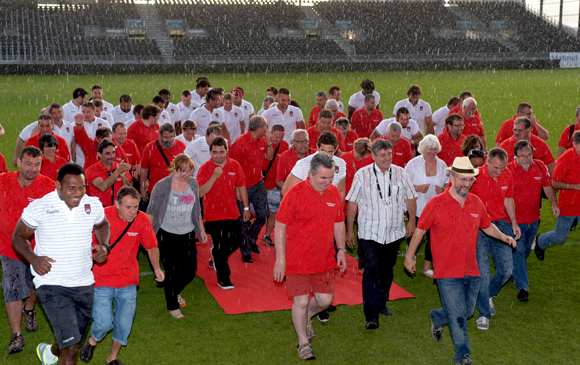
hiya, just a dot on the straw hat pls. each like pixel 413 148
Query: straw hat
pixel 462 166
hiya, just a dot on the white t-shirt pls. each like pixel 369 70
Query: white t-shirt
pixel 107 107
pixel 69 110
pixel 418 112
pixel 182 138
pixel 300 170
pixel 91 129
pixel 108 117
pixel 121 116
pixel 202 117
pixel 439 120
pixel 198 150
pixel 196 100
pixel 165 117
pixel 68 242
pixel 129 122
pixel 357 101
pixel 409 132
pixel 174 113
pixel 232 121
pixel 185 111
pixel 27 131
pixel 287 119
pixel 340 106
pixel 248 110
pixel 67 131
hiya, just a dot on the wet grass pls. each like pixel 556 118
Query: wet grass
pixel 544 330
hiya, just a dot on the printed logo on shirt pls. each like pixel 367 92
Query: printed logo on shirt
pixel 172 111
pixel 336 169
pixel 132 234
pixel 99 125
pixel 399 153
pixel 535 177
pixel 30 199
pixel 421 108
pixel 235 114
pixel 291 114
pixel 504 188
pixel 52 211
pixel 245 107
pixel 217 115
pixel 232 173
pixel 67 129
pixel 88 208
pixel 474 215
pixel 262 148
pixel 408 129
pixel 331 204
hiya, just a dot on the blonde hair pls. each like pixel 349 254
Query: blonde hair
pixel 179 161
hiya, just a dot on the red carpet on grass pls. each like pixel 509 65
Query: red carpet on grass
pixel 255 288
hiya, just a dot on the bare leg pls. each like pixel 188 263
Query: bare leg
pixel 92 341
pixel 14 312
pixel 115 348
pixel 318 303
pixel 270 223
pixel 426 266
pixel 68 356
pixel 300 317
pixel 31 300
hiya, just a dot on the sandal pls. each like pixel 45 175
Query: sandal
pixel 305 352
pixel 176 314
pixel 181 301
pixel 310 331
pixel 428 273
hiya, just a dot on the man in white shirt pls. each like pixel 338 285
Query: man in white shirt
pixel 185 106
pixel 410 129
pixel 97 93
pixel 172 109
pixel 209 112
pixel 268 100
pixel 380 193
pixel 357 101
pixel 100 113
pixel 442 113
pixel 419 109
pixel 73 107
pixel 124 111
pixel 246 106
pixel 198 96
pixel 136 111
pixel 334 93
pixel 164 115
pixel 198 149
pixel 63 257
pixel 91 124
pixel 234 118
pixel 286 115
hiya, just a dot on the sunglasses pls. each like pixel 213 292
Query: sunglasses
pixel 476 153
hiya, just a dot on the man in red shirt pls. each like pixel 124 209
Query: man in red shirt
pixel 249 150
pixel 50 161
pixel 523 131
pixel 365 120
pixel 457 109
pixel 402 152
pixel 531 177
pixel 333 106
pixel 451 139
pixel 145 129
pixel 157 157
pixel 305 253
pixel 523 110
pixel 106 176
pixel 324 124
pixel 19 189
pixel 290 157
pixel 565 142
pixel 117 278
pixel 131 151
pixel 343 126
pixel 494 186
pixel 566 178
pixel 454 219
pixel 220 180
pixel 356 159
pixel 321 99
pixel 90 146
pixel 45 125
pixel 3 166
pixel 270 168
pixel 472 120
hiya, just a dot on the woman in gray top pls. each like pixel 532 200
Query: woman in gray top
pixel 175 215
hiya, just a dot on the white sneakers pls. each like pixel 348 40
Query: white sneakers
pixel 482 323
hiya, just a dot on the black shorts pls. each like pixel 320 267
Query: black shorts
pixel 69 311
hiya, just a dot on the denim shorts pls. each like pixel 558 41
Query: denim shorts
pixel 274 199
pixel 125 302
pixel 16 279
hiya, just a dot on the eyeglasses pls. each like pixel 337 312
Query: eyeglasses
pixel 515 130
pixel 469 181
pixel 301 142
pixel 476 153
pixel 185 172
pixel 458 125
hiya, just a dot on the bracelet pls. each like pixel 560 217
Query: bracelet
pixel 342 249
pixel 269 145
pixel 246 208
pixel 107 247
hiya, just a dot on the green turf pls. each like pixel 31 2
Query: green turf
pixel 544 330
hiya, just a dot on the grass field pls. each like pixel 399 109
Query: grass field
pixel 545 330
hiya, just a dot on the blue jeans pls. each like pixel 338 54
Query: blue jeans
pixel 121 321
pixel 559 235
pixel 502 257
pixel 522 252
pixel 458 297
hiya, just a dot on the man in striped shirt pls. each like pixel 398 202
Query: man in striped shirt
pixel 380 192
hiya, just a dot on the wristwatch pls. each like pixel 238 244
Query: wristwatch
pixel 246 208
pixel 342 249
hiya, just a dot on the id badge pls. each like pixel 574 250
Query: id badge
pixel 387 203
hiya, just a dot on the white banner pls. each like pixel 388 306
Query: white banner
pixel 567 59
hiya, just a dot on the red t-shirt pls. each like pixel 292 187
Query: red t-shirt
pixel 3 166
pixel 131 152
pixel 457 110
pixel 250 154
pixel 99 170
pixel 541 149
pixel 314 133
pixel 313 119
pixel 565 139
pixel 310 227
pixel 221 202
pixel 139 133
pixel 567 170
pixel 506 130
pixel 50 169
pixel 363 123
pixel 473 126
pixel 121 268
pixel 528 189
pixel 312 123
pixel 13 200
pixel 153 160
pixel 62 149
pixel 352 166
pixel 450 148
pixel 492 193
pixel 270 181
pixel 286 164
pixel 402 152
pixel 454 232
pixel 351 137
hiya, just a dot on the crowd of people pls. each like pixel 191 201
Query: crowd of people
pixel 165 176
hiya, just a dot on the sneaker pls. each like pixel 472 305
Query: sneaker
pixel 225 285
pixel 465 361
pixel 537 250
pixel 482 323
pixel 42 350
pixel 255 249
pixel 386 311
pixel 323 316
pixel 372 325
pixel 523 295
pixel 267 240
pixel 211 265
pixel 16 343
pixel 331 308
pixel 491 307
pixel 86 353
pixel 115 362
pixel 435 331
pixel 30 323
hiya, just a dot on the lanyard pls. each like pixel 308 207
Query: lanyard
pixel 379 187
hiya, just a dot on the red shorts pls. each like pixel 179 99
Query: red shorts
pixel 303 284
